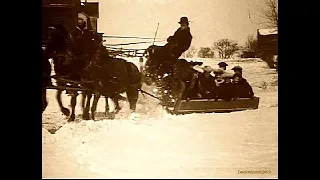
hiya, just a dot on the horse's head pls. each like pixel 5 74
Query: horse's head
pixel 83 52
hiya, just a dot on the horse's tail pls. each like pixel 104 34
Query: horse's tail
pixel 134 75
pixel 134 84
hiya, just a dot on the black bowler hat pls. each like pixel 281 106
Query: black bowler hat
pixel 237 68
pixel 184 20
pixel 222 64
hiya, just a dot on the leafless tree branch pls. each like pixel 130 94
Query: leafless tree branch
pixel 270 14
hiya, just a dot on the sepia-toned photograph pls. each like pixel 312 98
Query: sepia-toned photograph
pixel 160 89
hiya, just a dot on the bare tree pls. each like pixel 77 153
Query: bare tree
pixel 252 44
pixel 269 14
pixel 205 52
pixel 226 48
pixel 191 52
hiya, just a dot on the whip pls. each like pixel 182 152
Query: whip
pixel 155 35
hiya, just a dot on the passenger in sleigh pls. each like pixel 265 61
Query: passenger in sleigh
pixel 242 88
pixel 237 69
pixel 206 85
pixel 222 65
pixel 192 87
pixel 225 86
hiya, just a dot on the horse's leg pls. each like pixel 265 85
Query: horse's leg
pixel 83 100
pixel 117 107
pixel 132 94
pixel 87 95
pixel 106 112
pixel 64 110
pixel 109 115
pixel 94 104
pixel 73 106
pixel 44 99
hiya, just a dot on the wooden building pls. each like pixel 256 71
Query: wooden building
pixel 67 12
pixel 267 42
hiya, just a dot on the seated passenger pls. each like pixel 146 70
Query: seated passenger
pixel 207 86
pixel 223 65
pixel 225 88
pixel 237 69
pixel 218 76
pixel 242 87
pixel 191 91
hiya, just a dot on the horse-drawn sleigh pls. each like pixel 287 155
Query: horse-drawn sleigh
pixel 107 76
pixel 85 66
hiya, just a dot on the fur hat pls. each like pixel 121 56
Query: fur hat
pixel 227 75
pixel 198 68
pixel 207 69
pixel 218 71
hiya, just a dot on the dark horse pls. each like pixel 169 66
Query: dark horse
pixel 175 76
pixel 99 74
pixel 111 77
pixel 69 62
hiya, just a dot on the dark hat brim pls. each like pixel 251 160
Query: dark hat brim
pixel 183 22
pixel 222 64
pixel 236 68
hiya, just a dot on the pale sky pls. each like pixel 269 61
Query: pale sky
pixel 211 20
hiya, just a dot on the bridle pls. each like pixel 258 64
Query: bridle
pixel 93 59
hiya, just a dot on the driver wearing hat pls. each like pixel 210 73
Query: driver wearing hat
pixel 181 40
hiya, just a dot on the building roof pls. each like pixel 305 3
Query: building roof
pixel 264 32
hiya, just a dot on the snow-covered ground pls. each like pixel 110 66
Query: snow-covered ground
pixel 155 144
